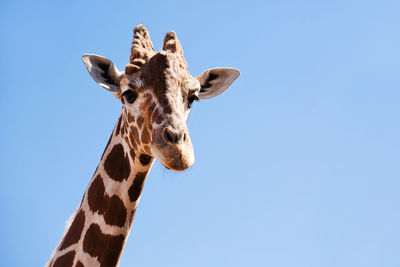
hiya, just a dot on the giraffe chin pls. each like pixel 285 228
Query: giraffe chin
pixel 174 158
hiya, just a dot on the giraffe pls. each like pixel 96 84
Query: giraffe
pixel 157 92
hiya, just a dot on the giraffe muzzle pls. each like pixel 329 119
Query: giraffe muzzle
pixel 173 148
pixel 174 136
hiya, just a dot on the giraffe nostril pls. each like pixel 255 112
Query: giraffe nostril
pixel 184 137
pixel 169 136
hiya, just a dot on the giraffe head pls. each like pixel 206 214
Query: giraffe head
pixel 157 93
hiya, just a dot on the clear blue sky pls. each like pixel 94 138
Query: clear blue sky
pixel 297 164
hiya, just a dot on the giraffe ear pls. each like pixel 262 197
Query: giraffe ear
pixel 214 81
pixel 103 72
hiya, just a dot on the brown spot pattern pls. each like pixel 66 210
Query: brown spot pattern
pixel 112 208
pixel 107 248
pixel 118 127
pixel 117 164
pixel 147 149
pixel 131 118
pixel 132 142
pixel 123 128
pixel 157 117
pixel 132 152
pixel 75 230
pixel 115 213
pixel 135 134
pixel 145 136
pixel 137 186
pixel 144 159
pixel 65 260
pixel 140 121
pixel 79 264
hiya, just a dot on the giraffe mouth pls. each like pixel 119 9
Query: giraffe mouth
pixel 174 157
pixel 177 162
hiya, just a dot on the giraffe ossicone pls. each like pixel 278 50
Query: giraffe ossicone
pixel 157 92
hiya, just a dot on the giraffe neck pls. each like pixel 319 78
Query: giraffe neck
pixel 102 222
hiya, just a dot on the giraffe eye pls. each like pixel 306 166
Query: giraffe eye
pixel 191 99
pixel 130 96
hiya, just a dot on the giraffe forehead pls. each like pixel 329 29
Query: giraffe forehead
pixel 178 78
pixel 162 67
pixel 165 78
